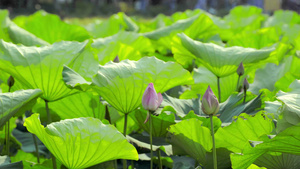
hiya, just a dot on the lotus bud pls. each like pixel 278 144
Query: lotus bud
pixel 116 60
pixel 10 81
pixel 210 103
pixel 151 100
pixel 240 69
pixel 245 84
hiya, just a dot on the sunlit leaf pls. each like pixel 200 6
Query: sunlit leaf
pixel 219 60
pixel 237 135
pixel 40 67
pixel 82 142
pixel 122 84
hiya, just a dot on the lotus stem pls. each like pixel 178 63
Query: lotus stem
pixel 36 149
pixel 49 120
pixel 7 137
pixel 7 134
pixel 213 140
pixel 237 85
pixel 245 95
pixel 151 151
pixel 219 88
pixel 159 159
pixel 124 133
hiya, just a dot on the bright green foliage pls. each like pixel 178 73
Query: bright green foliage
pixel 116 23
pixel 189 137
pixel 287 141
pixel 237 135
pixel 16 102
pixel 282 17
pixel 125 45
pixel 122 84
pixel 240 18
pixel 40 68
pixel 219 60
pixel 82 142
pixel 10 32
pixel 50 28
pixel 83 104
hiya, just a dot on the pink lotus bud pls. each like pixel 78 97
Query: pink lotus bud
pixel 210 103
pixel 246 84
pixel 151 100
pixel 240 69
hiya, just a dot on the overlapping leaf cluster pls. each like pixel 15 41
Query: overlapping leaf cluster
pixel 93 77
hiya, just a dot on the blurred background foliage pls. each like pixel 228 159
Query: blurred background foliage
pixel 144 8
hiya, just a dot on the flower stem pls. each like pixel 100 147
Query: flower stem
pixel 36 149
pixel 237 85
pixel 219 88
pixel 159 159
pixel 7 137
pixel 124 133
pixel 151 151
pixel 49 120
pixel 7 134
pixel 213 140
pixel 245 95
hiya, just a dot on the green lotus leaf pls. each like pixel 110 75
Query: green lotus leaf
pixel 18 101
pixel 162 37
pixel 82 142
pixel 219 60
pixel 181 106
pixel 233 106
pixel 290 112
pixel 255 39
pixel 253 166
pixel 237 135
pixel 10 32
pixel 40 67
pixel 287 141
pixel 240 18
pixel 189 137
pixel 122 84
pixel 160 123
pixel 83 104
pixel 50 28
pixel 282 17
pixel 278 161
pixel 116 23
pixel 204 77
pixel 267 77
pixel 125 45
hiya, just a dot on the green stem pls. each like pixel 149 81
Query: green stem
pixel 49 120
pixel 159 159
pixel 245 95
pixel 219 88
pixel 7 134
pixel 7 137
pixel 213 140
pixel 237 85
pixel 151 151
pixel 36 148
pixel 124 133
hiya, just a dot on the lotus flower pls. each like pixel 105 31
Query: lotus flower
pixel 151 100
pixel 240 69
pixel 210 103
